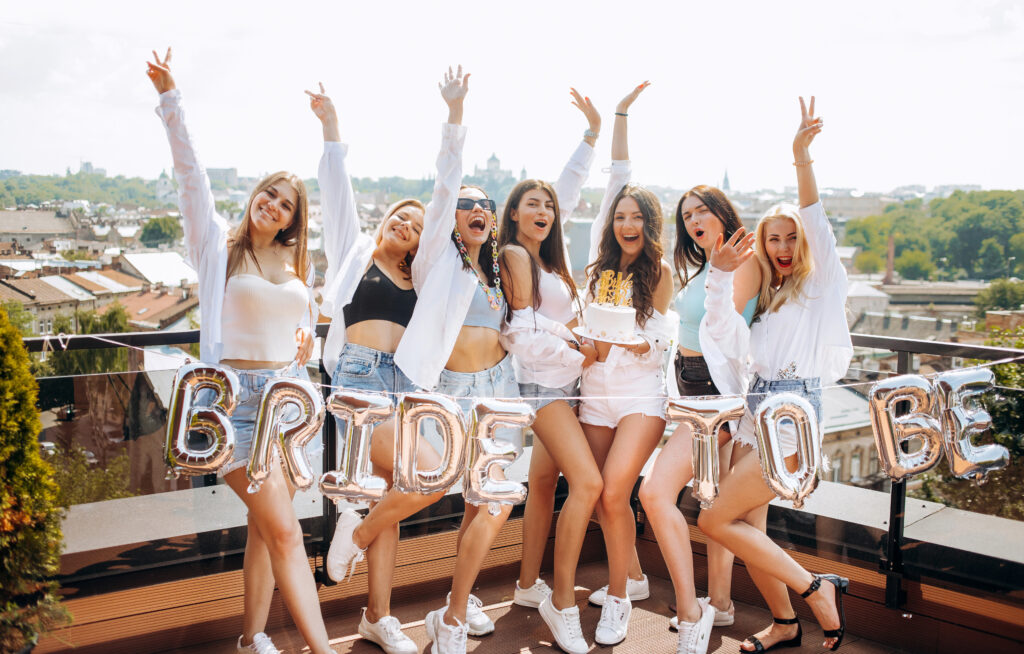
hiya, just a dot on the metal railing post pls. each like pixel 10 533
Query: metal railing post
pixel 891 563
pixel 330 511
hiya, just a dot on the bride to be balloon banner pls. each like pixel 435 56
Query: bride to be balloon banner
pixel 915 421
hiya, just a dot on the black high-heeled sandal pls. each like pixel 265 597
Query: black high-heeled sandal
pixel 842 585
pixel 792 642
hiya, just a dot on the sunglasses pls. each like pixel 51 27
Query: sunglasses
pixel 468 204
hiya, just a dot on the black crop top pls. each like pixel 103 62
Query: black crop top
pixel 378 298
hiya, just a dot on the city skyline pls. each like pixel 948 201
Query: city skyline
pixel 926 95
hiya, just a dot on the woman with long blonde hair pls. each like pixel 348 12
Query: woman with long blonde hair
pixel 254 293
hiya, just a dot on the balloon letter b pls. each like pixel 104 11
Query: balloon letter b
pixel 211 419
pixel 892 432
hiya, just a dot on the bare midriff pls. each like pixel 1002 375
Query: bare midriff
pixel 689 353
pixel 380 335
pixel 476 349
pixel 246 364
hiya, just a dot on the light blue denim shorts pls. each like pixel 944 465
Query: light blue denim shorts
pixel 366 369
pixel 539 396
pixel 498 381
pixel 809 388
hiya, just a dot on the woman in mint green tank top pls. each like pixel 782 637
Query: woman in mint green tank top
pixel 704 216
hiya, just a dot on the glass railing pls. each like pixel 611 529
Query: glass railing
pixel 105 433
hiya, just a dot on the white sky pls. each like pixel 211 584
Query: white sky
pixel 911 92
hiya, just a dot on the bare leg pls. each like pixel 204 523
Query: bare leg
pixel 271 511
pixel 720 559
pixel 540 504
pixel 257 580
pixel 381 556
pixel 482 528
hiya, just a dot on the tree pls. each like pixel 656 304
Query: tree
pixel 18 316
pixel 30 535
pixel 991 262
pixel 87 362
pixel 868 262
pixel 163 229
pixel 914 264
pixel 1001 294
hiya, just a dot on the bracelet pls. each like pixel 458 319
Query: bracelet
pixel 575 344
pixel 619 113
pixel 590 133
pixel 803 163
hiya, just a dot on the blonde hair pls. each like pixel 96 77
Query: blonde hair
pixel 293 236
pixel 776 290
pixel 406 264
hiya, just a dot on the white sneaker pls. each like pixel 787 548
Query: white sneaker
pixel 694 636
pixel 477 621
pixel 611 628
pixel 564 626
pixel 444 638
pixel 532 596
pixel 261 644
pixel 343 555
pixel 722 618
pixel 387 632
pixel 635 590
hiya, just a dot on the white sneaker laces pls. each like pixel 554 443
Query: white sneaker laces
pixel 573 626
pixel 613 613
pixel 392 627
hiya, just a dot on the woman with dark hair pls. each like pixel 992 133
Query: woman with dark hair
pixel 703 214
pixel 544 306
pixel 369 295
pixel 254 293
pixel 623 412
pixel 798 342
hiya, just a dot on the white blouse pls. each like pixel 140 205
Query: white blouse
pixel 349 250
pixel 206 232
pixel 807 337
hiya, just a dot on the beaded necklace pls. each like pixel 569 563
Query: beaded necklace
pixel 493 298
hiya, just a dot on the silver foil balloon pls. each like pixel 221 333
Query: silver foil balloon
pixel 360 412
pixel 185 414
pixel 918 424
pixel 414 409
pixel 956 392
pixel 486 451
pixel 705 417
pixel 290 415
pixel 773 410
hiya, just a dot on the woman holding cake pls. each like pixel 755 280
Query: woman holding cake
pixel 542 296
pixel 799 341
pixel 703 215
pixel 623 412
pixel 369 295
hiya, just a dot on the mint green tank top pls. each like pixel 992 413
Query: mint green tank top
pixel 690 307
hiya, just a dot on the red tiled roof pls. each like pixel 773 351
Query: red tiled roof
pixel 122 278
pixel 153 307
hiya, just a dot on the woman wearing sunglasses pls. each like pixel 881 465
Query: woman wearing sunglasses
pixel 623 412
pixel 370 298
pixel 538 283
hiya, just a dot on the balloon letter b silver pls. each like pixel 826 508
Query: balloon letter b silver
pixel 892 432
pixel 955 390
pixel 412 410
pixel 360 412
pixel 796 485
pixel 211 419
pixel 486 451
pixel 291 413
pixel 705 416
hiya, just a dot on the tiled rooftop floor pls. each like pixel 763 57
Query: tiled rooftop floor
pixel 520 630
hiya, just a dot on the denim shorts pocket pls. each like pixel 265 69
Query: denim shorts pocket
pixel 355 367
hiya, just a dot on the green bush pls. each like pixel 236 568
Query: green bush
pixel 30 536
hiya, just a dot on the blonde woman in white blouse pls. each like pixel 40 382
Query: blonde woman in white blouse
pixel 254 295
pixel 798 342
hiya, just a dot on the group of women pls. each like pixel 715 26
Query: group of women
pixel 447 298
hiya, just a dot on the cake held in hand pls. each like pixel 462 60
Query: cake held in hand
pixel 607 322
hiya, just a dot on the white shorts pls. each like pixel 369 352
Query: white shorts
pixel 618 394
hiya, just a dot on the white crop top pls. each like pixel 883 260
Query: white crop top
pixel 259 318
pixel 555 299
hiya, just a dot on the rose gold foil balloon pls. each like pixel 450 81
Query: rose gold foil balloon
pixel 290 415
pixel 486 452
pixel 414 409
pixel 210 418
pixel 705 416
pixel 361 413
pixel 955 392
pixel 790 407
pixel 918 424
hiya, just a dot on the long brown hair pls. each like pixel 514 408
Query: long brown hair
pixel 406 264
pixel 292 236
pixel 687 252
pixel 646 270
pixel 552 249
pixel 486 257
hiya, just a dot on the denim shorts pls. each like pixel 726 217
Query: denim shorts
pixel 250 392
pixel 497 381
pixel 539 396
pixel 366 369
pixel 809 388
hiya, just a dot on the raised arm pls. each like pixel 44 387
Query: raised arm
pixel 203 227
pixel 337 199
pixel 439 218
pixel 810 126
pixel 577 169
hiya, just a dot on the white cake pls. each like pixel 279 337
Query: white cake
pixel 607 321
